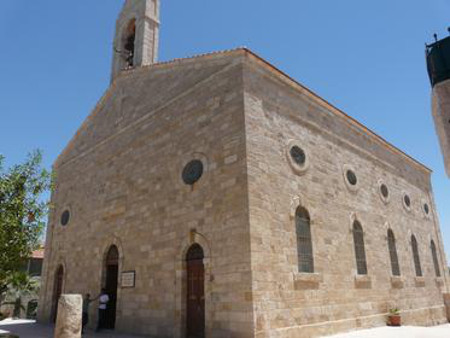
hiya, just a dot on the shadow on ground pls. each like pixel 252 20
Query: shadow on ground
pixel 31 329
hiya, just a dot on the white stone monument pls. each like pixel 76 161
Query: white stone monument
pixel 68 320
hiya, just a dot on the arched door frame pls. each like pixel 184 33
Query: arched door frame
pixel 107 244
pixel 195 300
pixel 55 298
pixel 111 268
pixel 181 284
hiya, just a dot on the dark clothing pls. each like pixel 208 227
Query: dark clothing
pixel 85 321
pixel 101 319
pixel 85 316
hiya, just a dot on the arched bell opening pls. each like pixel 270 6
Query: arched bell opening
pixel 129 44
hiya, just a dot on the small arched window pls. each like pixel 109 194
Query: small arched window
pixel 360 251
pixel 304 241
pixel 435 259
pixel 416 257
pixel 393 254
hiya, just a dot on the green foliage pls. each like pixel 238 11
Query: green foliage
pixel 394 311
pixel 20 286
pixel 22 214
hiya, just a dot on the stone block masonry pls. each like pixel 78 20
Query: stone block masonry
pixel 121 180
pixel 217 197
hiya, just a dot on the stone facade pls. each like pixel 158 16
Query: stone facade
pixel 120 177
pixel 120 180
pixel 292 304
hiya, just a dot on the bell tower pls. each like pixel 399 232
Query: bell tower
pixel 137 35
pixel 438 63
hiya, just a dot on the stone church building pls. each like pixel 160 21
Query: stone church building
pixel 215 196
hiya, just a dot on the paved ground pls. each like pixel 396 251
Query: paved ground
pixel 442 331
pixel 30 329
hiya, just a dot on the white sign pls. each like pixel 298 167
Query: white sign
pixel 128 279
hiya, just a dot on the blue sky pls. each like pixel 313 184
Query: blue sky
pixel 365 57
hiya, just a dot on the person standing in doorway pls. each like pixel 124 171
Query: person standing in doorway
pixel 103 300
pixel 87 300
pixel 85 318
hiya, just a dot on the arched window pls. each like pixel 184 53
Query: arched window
pixel 416 257
pixel 128 41
pixel 393 254
pixel 360 251
pixel 435 259
pixel 304 241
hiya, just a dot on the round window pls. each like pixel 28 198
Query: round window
pixel 298 155
pixel 351 177
pixel 407 200
pixel 426 208
pixel 192 172
pixel 384 190
pixel 65 217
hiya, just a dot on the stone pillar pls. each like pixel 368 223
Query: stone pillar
pixel 447 304
pixel 441 116
pixel 68 320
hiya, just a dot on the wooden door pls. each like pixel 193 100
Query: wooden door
pixel 58 286
pixel 195 293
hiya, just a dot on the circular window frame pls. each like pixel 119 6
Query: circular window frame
pixel 425 203
pixel 407 208
pixel 186 158
pixel 384 199
pixel 297 168
pixel 65 209
pixel 190 181
pixel 351 187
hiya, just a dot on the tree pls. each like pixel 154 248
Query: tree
pixel 20 286
pixel 22 214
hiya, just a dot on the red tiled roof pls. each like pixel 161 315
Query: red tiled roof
pixel 38 253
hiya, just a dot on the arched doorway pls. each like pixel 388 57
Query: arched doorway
pixel 195 326
pixel 57 290
pixel 111 280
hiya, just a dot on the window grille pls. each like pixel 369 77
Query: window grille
pixel 416 257
pixel 393 254
pixel 435 259
pixel 360 252
pixel 304 241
